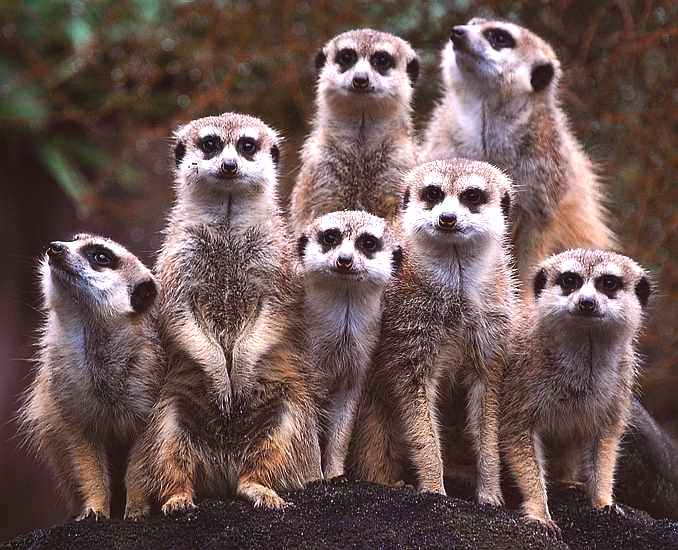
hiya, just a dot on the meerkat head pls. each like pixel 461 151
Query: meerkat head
pixel 223 155
pixel 96 274
pixel 499 58
pixel 456 203
pixel 591 288
pixel 349 247
pixel 372 68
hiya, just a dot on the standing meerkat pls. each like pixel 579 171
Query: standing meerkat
pixel 568 388
pixel 446 320
pixel 95 383
pixel 362 142
pixel 347 259
pixel 236 414
pixel 501 105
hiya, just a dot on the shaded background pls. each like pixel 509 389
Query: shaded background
pixel 90 92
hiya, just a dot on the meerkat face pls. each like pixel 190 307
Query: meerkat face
pixel 351 247
pixel 499 57
pixel 456 203
pixel 589 288
pixel 96 273
pixel 368 66
pixel 226 154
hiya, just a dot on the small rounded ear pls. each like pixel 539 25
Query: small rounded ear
pixel 143 295
pixel 539 282
pixel 506 205
pixel 301 246
pixel 542 75
pixel 413 70
pixel 179 152
pixel 320 60
pixel 275 154
pixel 406 198
pixel 643 290
pixel 397 260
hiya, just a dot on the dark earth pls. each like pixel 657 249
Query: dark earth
pixel 348 514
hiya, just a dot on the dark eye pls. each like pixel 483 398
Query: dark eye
pixel 210 145
pixel 473 197
pixel 102 259
pixel 247 146
pixel 382 61
pixel 609 284
pixel 569 282
pixel 346 58
pixel 368 243
pixel 499 39
pixel 330 237
pixel 433 194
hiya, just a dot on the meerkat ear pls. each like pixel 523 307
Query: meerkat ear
pixel 275 154
pixel 397 260
pixel 539 282
pixel 542 75
pixel 179 152
pixel 506 205
pixel 320 59
pixel 643 290
pixel 143 295
pixel 406 198
pixel 301 246
pixel 413 69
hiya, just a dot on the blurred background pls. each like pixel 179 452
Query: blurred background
pixel 90 93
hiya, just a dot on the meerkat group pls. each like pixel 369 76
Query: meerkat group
pixel 262 353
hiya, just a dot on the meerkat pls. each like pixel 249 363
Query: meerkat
pixel 95 382
pixel 361 143
pixel 347 258
pixel 446 319
pixel 236 415
pixel 501 105
pixel 569 384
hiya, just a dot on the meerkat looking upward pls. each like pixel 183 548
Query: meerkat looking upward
pixel 571 373
pixel 96 378
pixel 361 143
pixel 446 319
pixel 501 105
pixel 236 415
pixel 347 259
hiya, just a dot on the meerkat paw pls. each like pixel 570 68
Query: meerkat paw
pixel 178 503
pixel 550 526
pixel 261 497
pixel 136 511
pixel 91 513
pixel 493 498
pixel 612 509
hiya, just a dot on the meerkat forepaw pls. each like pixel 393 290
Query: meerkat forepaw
pixel 136 512
pixel 613 509
pixel 550 526
pixel 262 497
pixel 178 503
pixel 493 498
pixel 93 514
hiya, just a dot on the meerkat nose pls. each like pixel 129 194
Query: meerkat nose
pixel 447 220
pixel 361 81
pixel 55 249
pixel 587 305
pixel 344 261
pixel 228 168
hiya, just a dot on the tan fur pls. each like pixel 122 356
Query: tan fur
pixel 492 112
pixel 236 414
pixel 446 320
pixel 361 143
pixel 98 365
pixel 567 394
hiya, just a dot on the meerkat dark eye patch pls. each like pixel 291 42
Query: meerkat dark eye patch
pixel 396 260
pixel 210 145
pixel 569 282
pixel 541 76
pixel 383 62
pixel 499 38
pixel 247 146
pixel 643 291
pixel 473 198
pixel 346 58
pixel 329 239
pixel 609 285
pixel 179 152
pixel 368 244
pixel 506 205
pixel 413 70
pixel 143 295
pixel 100 257
pixel 320 60
pixel 301 246
pixel 275 154
pixel 432 195
pixel 539 282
